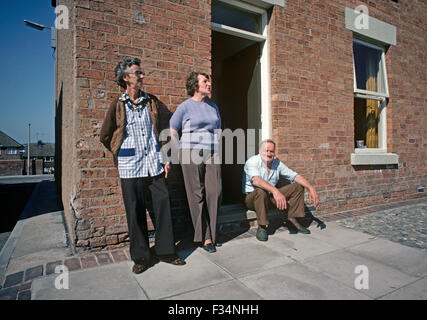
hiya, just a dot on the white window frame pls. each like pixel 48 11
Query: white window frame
pixel 383 65
pixel 11 150
pixel 374 156
pixel 262 37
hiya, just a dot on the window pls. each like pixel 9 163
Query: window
pixel 11 151
pixel 370 89
pixel 226 14
pixel 370 104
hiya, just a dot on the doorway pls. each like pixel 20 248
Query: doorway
pixel 240 86
pixel 236 90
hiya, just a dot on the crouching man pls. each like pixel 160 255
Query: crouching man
pixel 260 177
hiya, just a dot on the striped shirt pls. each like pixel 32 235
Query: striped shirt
pixel 139 155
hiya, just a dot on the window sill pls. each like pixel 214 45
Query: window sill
pixel 373 158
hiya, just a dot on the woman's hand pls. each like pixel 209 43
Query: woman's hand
pixel 167 169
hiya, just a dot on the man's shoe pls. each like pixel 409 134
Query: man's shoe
pixel 172 259
pixel 210 247
pixel 301 229
pixel 261 234
pixel 139 267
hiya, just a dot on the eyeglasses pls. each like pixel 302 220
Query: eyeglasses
pixel 137 73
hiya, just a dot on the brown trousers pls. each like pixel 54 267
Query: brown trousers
pixel 203 187
pixel 260 201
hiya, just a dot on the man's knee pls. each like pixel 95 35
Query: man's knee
pixel 299 188
pixel 260 194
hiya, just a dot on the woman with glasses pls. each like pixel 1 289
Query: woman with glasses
pixel 131 132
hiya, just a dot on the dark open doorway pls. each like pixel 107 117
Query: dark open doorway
pixel 236 91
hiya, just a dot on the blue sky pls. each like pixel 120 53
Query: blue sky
pixel 27 87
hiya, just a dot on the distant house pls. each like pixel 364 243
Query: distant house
pixel 9 147
pixel 43 153
pixel 10 156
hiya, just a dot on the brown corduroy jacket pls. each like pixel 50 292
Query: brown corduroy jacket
pixel 114 125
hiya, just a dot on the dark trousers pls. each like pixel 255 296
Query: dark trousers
pixel 134 192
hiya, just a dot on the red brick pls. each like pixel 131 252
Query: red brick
pixel 104 27
pixel 119 256
pixel 88 261
pixel 72 264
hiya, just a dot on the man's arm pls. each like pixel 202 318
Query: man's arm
pixel 279 197
pixel 312 194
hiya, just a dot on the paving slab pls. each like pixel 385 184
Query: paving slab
pixel 298 282
pixel 406 259
pixel 299 246
pixel 341 266
pixel 165 280
pixel 413 291
pixel 112 282
pixel 34 246
pixel 246 256
pixel 339 236
pixel 228 290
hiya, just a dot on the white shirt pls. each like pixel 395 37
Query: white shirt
pixel 254 167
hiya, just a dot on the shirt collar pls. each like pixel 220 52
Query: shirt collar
pixel 274 164
pixel 139 103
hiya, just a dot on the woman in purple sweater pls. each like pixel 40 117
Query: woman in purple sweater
pixel 200 122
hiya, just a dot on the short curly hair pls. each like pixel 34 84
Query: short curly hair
pixel 121 68
pixel 192 82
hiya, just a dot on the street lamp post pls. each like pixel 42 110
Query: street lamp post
pixel 28 153
pixel 39 26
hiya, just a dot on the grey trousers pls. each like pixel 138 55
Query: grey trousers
pixel 204 189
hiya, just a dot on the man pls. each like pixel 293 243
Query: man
pixel 261 175
pixel 131 132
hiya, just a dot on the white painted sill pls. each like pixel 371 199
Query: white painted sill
pixel 373 157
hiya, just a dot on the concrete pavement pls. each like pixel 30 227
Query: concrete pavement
pixel 334 263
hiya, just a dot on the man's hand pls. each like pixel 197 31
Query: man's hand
pixel 280 200
pixel 312 194
pixel 313 197
pixel 167 168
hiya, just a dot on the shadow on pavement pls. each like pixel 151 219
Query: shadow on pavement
pixel 13 199
pixel 44 199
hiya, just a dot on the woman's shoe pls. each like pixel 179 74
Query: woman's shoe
pixel 209 247
pixel 140 266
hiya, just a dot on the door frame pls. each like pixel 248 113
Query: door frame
pixel 262 38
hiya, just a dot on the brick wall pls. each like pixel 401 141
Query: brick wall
pixel 17 167
pixel 12 167
pixel 311 92
pixel 172 38
pixel 312 100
